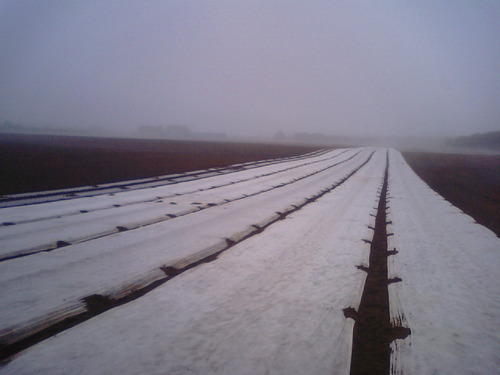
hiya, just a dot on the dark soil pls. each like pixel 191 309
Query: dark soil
pixel 373 332
pixel 470 182
pixel 37 163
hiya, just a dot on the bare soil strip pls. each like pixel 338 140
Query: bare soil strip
pixel 97 304
pixel 373 331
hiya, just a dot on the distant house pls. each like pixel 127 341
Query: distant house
pixel 209 136
pixel 150 130
pixel 177 131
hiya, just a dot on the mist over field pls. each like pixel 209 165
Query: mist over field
pixel 252 68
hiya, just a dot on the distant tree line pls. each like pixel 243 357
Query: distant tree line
pixel 8 126
pixel 317 138
pixel 489 140
pixel 176 132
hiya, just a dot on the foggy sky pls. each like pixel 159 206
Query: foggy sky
pixel 254 67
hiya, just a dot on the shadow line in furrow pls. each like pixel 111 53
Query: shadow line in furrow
pixel 373 331
pixel 63 243
pixel 96 304
pixel 66 194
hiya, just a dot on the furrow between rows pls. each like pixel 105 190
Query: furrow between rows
pixel 373 329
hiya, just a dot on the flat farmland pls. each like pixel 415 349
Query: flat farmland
pixel 35 163
pixel 469 181
pixel 320 261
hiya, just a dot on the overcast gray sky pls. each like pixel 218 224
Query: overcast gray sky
pixel 337 67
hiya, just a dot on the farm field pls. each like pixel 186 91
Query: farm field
pixel 35 163
pixel 32 163
pixel 249 188
pixel 255 267
pixel 470 182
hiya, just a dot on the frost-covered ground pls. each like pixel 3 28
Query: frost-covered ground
pixel 450 270
pixel 270 304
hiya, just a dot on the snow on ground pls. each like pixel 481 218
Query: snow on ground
pixel 148 208
pixel 73 206
pixel 449 292
pixel 118 187
pixel 271 304
pixel 37 288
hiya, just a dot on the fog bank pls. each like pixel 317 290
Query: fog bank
pixel 253 68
